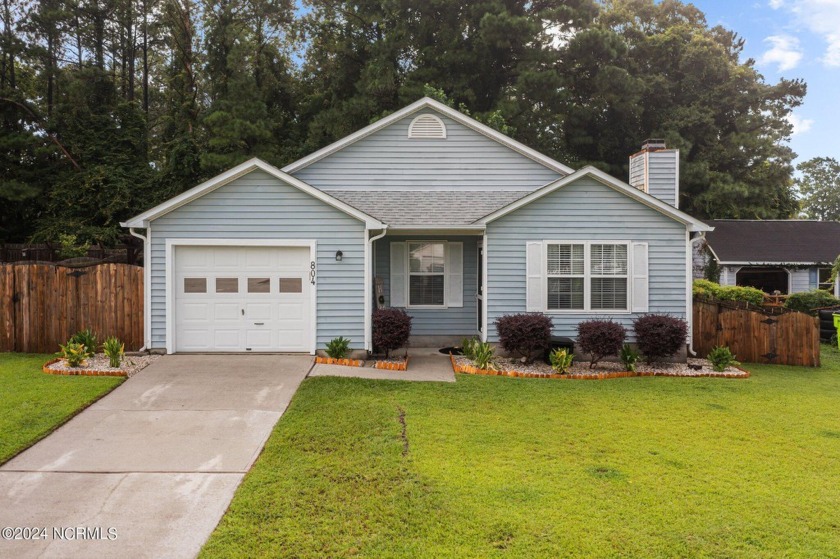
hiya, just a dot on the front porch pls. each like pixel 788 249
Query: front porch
pixel 437 278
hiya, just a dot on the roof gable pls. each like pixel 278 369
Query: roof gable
pixel 429 104
pixel 143 219
pixel 691 223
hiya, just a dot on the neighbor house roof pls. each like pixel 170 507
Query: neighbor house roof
pixel 792 241
pixel 400 209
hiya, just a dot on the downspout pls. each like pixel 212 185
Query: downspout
pixel 701 236
pixel 369 289
pixel 146 257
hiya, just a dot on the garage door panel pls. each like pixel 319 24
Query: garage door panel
pixel 263 303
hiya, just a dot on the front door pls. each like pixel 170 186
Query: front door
pixel 479 292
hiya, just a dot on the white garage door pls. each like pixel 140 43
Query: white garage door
pixel 248 299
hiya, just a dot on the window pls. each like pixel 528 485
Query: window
pixel 227 285
pixel 291 285
pixel 426 273
pixel 195 285
pixel 825 279
pixel 259 285
pixel 587 276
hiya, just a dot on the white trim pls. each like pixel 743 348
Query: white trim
pixel 677 181
pixel 241 170
pixel 445 274
pixel 587 276
pixel 370 272
pixel 782 264
pixel 170 260
pixel 414 136
pixel 428 103
pixel 652 202
pixel 437 230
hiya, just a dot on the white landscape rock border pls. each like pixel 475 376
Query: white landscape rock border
pixel 131 365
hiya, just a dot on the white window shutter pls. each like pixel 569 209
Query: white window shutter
pixel 640 277
pixel 534 276
pixel 455 275
pixel 398 259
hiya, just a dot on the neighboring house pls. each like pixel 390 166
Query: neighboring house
pixel 788 256
pixel 454 221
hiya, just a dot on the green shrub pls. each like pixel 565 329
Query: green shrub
pixel 483 355
pixel 721 358
pixel 809 301
pixel 74 353
pixel 561 360
pixel 629 357
pixel 338 348
pixel 115 350
pixel 728 292
pixel 468 347
pixel 87 338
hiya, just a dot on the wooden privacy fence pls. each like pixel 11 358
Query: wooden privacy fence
pixel 792 338
pixel 42 305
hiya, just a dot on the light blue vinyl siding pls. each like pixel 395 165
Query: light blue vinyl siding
pixel 584 210
pixel 389 160
pixel 259 206
pixel 454 321
pixel 662 175
pixel 802 279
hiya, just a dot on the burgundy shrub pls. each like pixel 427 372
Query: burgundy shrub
pixel 524 334
pixel 600 338
pixel 659 336
pixel 391 329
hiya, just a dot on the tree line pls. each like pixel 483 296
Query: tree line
pixel 111 106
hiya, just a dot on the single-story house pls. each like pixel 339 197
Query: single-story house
pixel 784 256
pixel 426 210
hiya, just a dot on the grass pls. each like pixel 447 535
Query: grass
pixel 33 404
pixel 498 467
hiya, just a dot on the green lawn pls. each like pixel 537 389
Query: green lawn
pixel 498 467
pixel 33 404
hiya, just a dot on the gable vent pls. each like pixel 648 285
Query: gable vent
pixel 427 127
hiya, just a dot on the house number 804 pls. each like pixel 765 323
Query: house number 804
pixel 312 272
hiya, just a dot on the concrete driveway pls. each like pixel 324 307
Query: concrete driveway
pixel 150 469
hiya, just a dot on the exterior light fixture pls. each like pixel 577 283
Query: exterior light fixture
pixel 338 256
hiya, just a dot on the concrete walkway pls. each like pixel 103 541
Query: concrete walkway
pixel 157 460
pixel 423 365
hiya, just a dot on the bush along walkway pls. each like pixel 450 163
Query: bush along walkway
pixel 607 370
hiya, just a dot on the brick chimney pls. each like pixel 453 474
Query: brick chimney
pixel 656 170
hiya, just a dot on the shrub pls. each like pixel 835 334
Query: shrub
pixel 73 352
pixel 114 349
pixel 561 360
pixel 721 358
pixel 629 357
pixel 524 334
pixel 600 338
pixel 728 292
pixel 87 338
pixel 809 301
pixel 659 336
pixel 337 348
pixel 391 329
pixel 468 347
pixel 483 355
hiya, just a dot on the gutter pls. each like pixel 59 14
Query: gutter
pixel 369 287
pixel 701 236
pixel 147 253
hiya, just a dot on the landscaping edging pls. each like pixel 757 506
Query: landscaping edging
pixel 392 365
pixel 345 362
pixel 79 372
pixel 471 370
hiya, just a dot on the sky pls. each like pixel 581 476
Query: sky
pixel 793 39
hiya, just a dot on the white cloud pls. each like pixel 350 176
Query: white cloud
pixel 800 125
pixel 776 4
pixel 784 52
pixel 821 17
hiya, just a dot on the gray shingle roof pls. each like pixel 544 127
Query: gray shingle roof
pixel 400 208
pixel 788 241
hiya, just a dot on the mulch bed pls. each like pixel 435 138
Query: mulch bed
pixel 603 370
